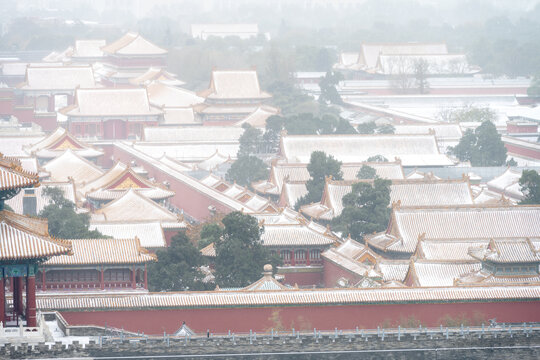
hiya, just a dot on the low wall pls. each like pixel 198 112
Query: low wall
pixel 412 344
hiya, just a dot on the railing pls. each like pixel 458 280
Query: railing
pixel 23 331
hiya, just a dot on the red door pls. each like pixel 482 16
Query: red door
pixel 115 129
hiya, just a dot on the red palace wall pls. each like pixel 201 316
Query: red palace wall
pixel 517 129
pixel 307 317
pixel 518 150
pixel 188 198
pixel 454 91
pixel 303 279
pixel 332 273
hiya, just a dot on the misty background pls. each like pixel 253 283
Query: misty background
pixel 500 36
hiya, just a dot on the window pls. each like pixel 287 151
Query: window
pixel 315 256
pixel 285 256
pixel 300 257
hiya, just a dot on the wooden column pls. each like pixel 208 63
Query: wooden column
pixel 31 301
pixel 145 277
pixel 308 260
pixel 102 280
pixel 2 301
pixel 133 278
pixel 293 257
pixel 18 308
pixel 15 289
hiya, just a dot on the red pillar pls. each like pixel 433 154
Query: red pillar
pixel 31 301
pixel 2 302
pixel 101 280
pixel 15 289
pixel 133 278
pixel 308 260
pixel 17 295
pixel 145 277
pixel 293 257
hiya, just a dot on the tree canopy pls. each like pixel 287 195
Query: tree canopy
pixel 308 124
pixel 64 221
pixel 240 254
pixel 320 166
pixel 372 128
pixel 251 141
pixel 482 147
pixel 467 113
pixel 530 186
pixel 247 169
pixel 366 172
pixel 178 267
pixel 365 209
pixel 327 84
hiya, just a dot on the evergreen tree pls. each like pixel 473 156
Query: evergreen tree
pixel 365 209
pixel 377 158
pixel 530 186
pixel 327 84
pixel 320 166
pixel 240 254
pixel 177 268
pixel 250 142
pixel 483 147
pixel 247 169
pixel 64 221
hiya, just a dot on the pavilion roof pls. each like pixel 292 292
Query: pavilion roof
pixel 23 238
pixel 104 251
pixel 133 44
pixel 115 182
pixel 266 283
pixel 13 176
pixel 213 161
pixel 409 225
pixel 69 165
pixel 234 84
pixel 59 141
pixel 412 150
pixel 58 78
pixel 132 206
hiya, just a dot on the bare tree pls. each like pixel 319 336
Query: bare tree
pixel 421 71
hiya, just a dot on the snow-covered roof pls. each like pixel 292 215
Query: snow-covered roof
pixel 150 233
pixel 447 250
pixel 68 189
pixel 133 44
pixel 213 161
pixel 133 206
pixel 70 165
pixel 297 297
pixel 258 117
pixel 106 102
pixel 58 78
pixel 103 251
pixel 57 142
pixel 159 75
pixel 412 150
pixel 408 225
pixel 507 251
pixel 404 192
pixel 180 116
pixel 169 96
pixel 370 52
pixel 430 273
pixel 88 48
pixel 188 151
pixel 27 238
pixel 234 84
pixel 507 184
pixel 436 64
